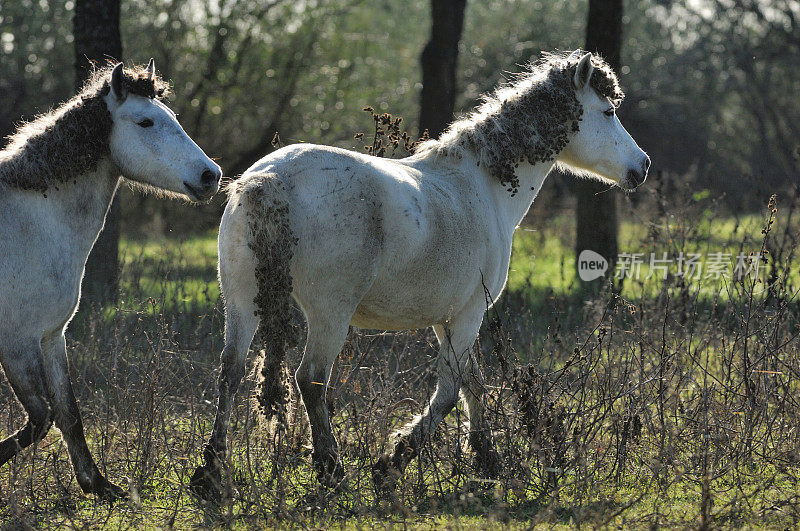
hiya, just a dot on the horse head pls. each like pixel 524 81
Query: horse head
pixel 602 146
pixel 147 143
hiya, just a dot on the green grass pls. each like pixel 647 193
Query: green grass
pixel 543 261
pixel 170 271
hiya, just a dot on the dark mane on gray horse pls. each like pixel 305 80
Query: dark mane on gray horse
pixel 530 119
pixel 70 140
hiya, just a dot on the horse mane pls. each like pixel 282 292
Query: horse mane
pixel 530 118
pixel 70 140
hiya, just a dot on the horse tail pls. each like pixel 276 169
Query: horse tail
pixel 272 242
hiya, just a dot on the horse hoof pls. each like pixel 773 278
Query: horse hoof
pixel 384 475
pixel 107 491
pixel 205 484
pixel 330 471
pixel 489 464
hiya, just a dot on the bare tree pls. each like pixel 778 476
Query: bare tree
pixel 439 60
pixel 95 27
pixel 596 210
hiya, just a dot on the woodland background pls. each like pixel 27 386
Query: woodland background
pixel 641 402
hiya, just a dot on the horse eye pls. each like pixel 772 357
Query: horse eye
pixel 609 112
pixel 147 122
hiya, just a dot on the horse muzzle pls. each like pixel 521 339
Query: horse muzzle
pixel 206 188
pixel 634 178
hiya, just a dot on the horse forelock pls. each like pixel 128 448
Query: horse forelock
pixel 69 141
pixel 531 118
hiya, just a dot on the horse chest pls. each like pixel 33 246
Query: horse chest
pixel 60 283
pixel 45 280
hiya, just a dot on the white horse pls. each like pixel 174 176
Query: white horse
pixel 401 244
pixel 57 178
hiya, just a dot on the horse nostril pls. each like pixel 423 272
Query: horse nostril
pixel 208 177
pixel 646 164
pixel 635 177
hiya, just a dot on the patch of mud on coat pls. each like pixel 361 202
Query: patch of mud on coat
pixel 272 243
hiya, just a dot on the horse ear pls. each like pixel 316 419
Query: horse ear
pixel 583 71
pixel 151 69
pixel 116 83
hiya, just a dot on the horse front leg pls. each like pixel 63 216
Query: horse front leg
pixel 206 482
pixel 325 341
pixel 455 345
pixel 24 370
pixel 473 391
pixel 68 420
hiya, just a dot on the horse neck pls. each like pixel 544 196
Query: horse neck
pixel 513 208
pixel 80 206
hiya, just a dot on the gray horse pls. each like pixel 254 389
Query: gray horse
pixel 57 178
pixel 398 244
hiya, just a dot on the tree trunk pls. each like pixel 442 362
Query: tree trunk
pixel 439 60
pixel 596 212
pixel 97 40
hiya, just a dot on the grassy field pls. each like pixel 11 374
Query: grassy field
pixel 653 402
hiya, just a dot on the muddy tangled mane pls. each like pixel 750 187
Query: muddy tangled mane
pixel 70 140
pixel 529 119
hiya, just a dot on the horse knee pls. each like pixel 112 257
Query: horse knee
pixel 40 420
pixel 446 396
pixel 472 397
pixel 232 372
pixel 311 382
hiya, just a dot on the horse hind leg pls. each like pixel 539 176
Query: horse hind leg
pixel 326 337
pixel 255 249
pixel 240 326
pixel 68 420
pixel 25 372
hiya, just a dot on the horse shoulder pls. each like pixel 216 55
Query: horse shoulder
pixel 473 220
pixel 39 272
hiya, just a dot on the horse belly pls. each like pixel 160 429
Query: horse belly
pixel 429 284
pixel 380 317
pixel 418 303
